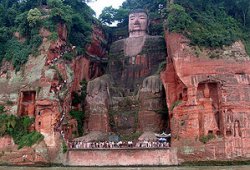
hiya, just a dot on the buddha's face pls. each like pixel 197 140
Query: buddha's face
pixel 138 22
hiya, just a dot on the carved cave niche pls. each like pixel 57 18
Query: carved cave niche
pixel 181 90
pixel 237 129
pixel 235 123
pixel 183 95
pixel 209 92
pixel 228 123
pixel 27 103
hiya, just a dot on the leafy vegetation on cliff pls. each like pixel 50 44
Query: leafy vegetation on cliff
pixel 18 129
pixel 20 22
pixel 2 109
pixel 212 23
pixel 79 116
pixel 208 23
pixel 78 99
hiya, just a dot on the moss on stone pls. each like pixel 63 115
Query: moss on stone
pixel 154 45
pixel 206 138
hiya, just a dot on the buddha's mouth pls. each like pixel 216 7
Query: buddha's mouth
pixel 137 26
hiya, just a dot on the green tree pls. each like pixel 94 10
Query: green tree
pixel 22 24
pixel 34 16
pixel 81 7
pixel 178 20
pixel 5 35
pixel 27 17
pixel 80 31
pixel 212 22
pixel 60 13
pixel 10 17
pixel 108 15
pixel 55 3
pixel 244 8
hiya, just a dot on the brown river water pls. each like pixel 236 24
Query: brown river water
pixel 243 167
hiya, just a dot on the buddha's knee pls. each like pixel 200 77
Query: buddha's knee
pixel 152 84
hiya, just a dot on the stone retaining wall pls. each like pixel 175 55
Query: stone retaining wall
pixel 121 157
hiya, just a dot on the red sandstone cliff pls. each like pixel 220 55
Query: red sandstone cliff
pixel 208 97
pixel 43 90
pixel 207 94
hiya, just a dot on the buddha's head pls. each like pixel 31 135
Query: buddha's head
pixel 138 23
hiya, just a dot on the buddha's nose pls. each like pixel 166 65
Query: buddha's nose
pixel 137 22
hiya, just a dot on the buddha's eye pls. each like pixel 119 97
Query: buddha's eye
pixel 132 17
pixel 142 17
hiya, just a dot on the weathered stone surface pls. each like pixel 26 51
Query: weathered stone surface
pixel 90 65
pixel 122 157
pixel 124 114
pixel 43 88
pixel 206 91
pixel 6 142
pixel 97 105
pixel 126 84
pixel 98 43
pixel 130 63
pixel 208 97
pixel 10 154
pixel 151 104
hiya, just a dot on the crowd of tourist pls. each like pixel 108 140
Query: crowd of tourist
pixel 114 145
pixel 59 53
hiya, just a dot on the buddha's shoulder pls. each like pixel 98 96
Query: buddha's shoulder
pixel 154 41
pixel 117 44
pixel 117 47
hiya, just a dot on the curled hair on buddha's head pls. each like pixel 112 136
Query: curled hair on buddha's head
pixel 138 11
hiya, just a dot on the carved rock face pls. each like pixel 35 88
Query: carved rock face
pixel 97 105
pixel 96 86
pixel 214 95
pixel 138 23
pixel 152 84
pixel 131 60
pixel 151 102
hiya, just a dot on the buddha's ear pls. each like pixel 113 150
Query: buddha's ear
pixel 148 22
pixel 148 26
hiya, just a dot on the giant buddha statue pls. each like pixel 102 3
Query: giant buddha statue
pixel 130 96
pixel 138 56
